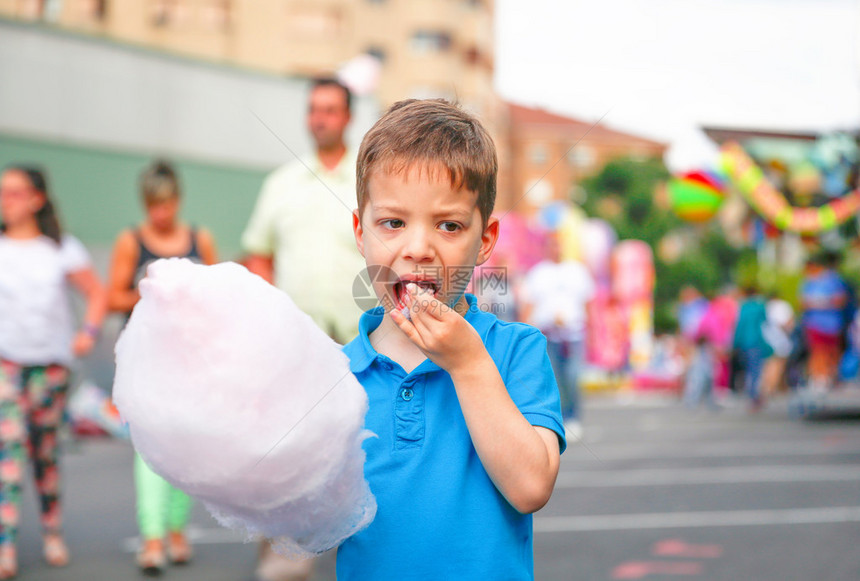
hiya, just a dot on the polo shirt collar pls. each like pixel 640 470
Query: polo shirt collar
pixel 365 353
pixel 370 320
pixel 345 166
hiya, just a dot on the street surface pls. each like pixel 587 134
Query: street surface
pixel 660 492
pixel 655 492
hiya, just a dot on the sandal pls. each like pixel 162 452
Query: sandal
pixel 8 562
pixel 178 549
pixel 151 559
pixel 55 551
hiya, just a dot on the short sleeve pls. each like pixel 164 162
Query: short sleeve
pixel 530 381
pixel 259 235
pixel 73 255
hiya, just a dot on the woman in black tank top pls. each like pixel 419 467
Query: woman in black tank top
pixel 162 510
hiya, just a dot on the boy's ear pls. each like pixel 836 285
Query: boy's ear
pixel 358 231
pixel 488 240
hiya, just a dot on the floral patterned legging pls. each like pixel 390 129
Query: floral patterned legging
pixel 32 400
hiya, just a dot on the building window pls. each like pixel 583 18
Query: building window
pixel 52 10
pixel 377 53
pixel 317 22
pixel 169 13
pixel 538 154
pixel 217 15
pixel 430 41
pixel 539 191
pixel 581 156
pixel 31 9
pixel 91 11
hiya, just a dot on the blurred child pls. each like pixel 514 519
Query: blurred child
pixel 38 264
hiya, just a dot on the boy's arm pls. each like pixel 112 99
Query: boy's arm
pixel 521 459
pixel 263 266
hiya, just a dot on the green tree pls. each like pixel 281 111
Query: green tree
pixel 624 194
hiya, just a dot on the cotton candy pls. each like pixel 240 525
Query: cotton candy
pixel 235 396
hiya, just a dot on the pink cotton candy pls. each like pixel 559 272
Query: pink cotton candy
pixel 235 396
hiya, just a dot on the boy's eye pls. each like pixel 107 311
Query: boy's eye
pixel 393 224
pixel 449 226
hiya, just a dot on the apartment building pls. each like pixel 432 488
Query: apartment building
pixel 550 153
pixel 426 48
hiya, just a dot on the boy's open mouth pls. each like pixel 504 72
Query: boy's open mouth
pixel 399 288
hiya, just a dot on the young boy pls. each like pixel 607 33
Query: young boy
pixel 464 407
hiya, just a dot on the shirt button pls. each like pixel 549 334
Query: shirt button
pixel 407 394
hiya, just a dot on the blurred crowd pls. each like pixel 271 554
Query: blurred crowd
pixel 745 343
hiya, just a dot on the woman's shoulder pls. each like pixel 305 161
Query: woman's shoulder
pixel 127 239
pixel 70 241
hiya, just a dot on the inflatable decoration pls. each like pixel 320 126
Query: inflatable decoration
pixel 696 196
pixel 769 202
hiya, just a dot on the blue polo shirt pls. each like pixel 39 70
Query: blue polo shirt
pixel 439 515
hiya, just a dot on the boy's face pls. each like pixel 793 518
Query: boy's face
pixel 416 228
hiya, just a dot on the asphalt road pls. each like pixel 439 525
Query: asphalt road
pixel 659 492
pixel 654 492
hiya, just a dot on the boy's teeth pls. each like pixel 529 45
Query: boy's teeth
pixel 425 286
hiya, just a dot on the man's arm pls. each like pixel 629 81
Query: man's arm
pixel 261 265
pixel 259 237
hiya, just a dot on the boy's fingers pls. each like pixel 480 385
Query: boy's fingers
pixel 407 327
pixel 424 301
pixel 419 320
pixel 434 308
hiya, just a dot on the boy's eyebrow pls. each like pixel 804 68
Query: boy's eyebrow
pixel 385 207
pixel 444 212
pixel 453 212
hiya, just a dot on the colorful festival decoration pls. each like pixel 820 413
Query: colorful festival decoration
pixel 567 221
pixel 633 287
pixel 597 240
pixel 696 196
pixel 771 204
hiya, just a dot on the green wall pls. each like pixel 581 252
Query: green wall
pixel 96 190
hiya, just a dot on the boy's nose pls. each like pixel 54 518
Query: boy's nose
pixel 419 247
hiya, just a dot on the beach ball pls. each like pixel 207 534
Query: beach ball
pixel 696 196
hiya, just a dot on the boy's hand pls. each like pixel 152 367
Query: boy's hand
pixel 438 330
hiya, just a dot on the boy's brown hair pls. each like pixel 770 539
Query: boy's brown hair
pixel 434 134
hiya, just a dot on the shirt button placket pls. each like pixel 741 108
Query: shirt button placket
pixel 409 412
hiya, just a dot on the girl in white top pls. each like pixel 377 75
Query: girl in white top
pixel 38 341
